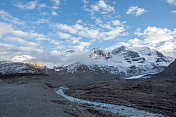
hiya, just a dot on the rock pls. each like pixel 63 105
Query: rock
pixel 170 71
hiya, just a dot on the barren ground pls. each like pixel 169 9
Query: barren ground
pixel 35 95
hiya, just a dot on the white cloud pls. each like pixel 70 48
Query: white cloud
pixel 7 17
pixel 162 39
pixel 95 8
pixel 85 44
pixel 7 46
pixel 114 2
pixel 61 47
pixel 30 49
pixel 81 46
pixel 88 33
pixel 168 48
pixel 41 21
pixel 31 5
pixel 64 35
pixel 42 5
pixel 78 48
pixel 75 40
pixel 11 49
pixel 24 40
pixel 20 41
pixel 38 4
pixel 92 33
pixel 53 13
pixel 65 27
pixel 116 22
pixel 8 29
pixel 135 10
pixel 107 26
pixel 55 52
pixel 4 29
pixel 21 33
pixel 117 45
pixel 79 21
pixel 136 42
pixel 112 34
pixel 85 3
pixel 98 21
pixel 174 12
pixel 101 5
pixel 173 2
pixel 154 35
pixel 56 1
pixel 57 43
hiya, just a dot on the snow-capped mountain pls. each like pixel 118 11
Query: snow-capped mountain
pixel 144 55
pixel 9 68
pixel 122 61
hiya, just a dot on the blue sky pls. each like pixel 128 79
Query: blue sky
pixel 47 27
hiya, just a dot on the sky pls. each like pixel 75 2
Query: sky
pixel 45 28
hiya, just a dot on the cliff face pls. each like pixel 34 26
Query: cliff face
pixel 170 71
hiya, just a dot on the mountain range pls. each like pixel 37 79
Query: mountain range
pixel 122 61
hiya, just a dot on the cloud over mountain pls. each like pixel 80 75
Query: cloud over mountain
pixel 45 28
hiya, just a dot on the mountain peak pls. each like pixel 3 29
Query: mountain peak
pixel 118 49
pixel 97 52
pixel 70 51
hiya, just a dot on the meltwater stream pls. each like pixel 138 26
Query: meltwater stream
pixel 116 109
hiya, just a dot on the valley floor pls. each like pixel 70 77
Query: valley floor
pixel 33 97
pixel 29 99
pixel 36 96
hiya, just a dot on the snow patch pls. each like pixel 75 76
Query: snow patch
pixel 135 77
